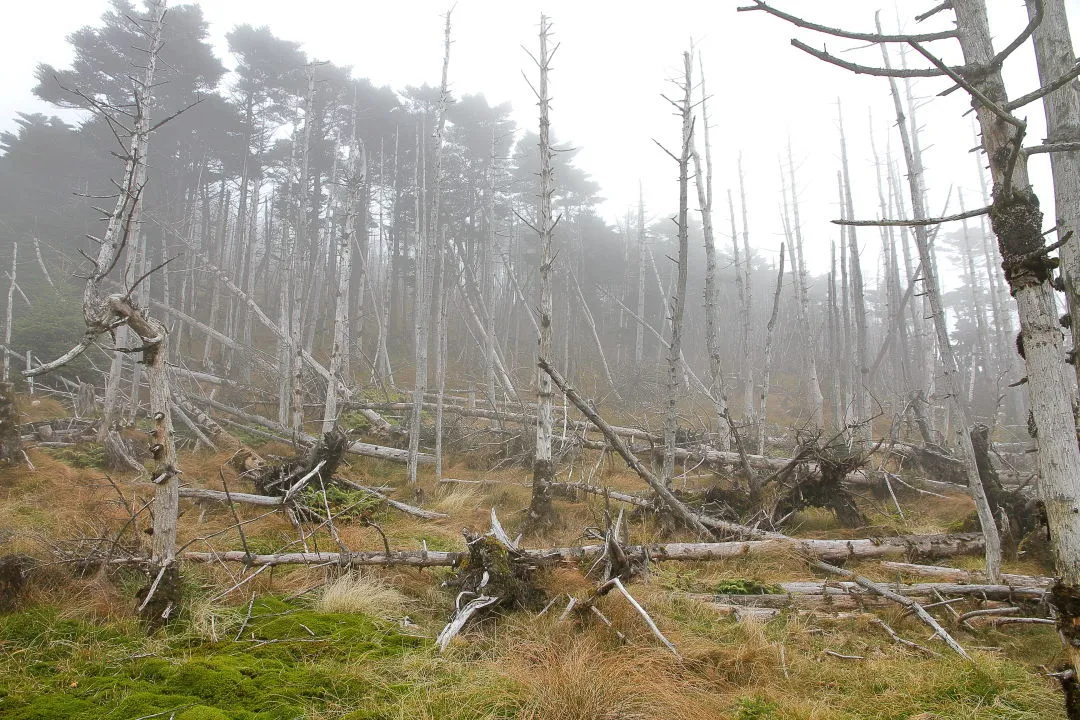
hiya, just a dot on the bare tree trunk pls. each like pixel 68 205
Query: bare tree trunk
pixel 1017 223
pixel 703 182
pixel 678 300
pixel 488 269
pixel 861 378
pixel 639 337
pixel 766 365
pixel 429 239
pixel 1054 56
pixel 354 182
pixel 8 313
pixel 748 307
pixel 103 312
pixel 950 371
pixel 440 351
pixel 798 269
pixel 541 510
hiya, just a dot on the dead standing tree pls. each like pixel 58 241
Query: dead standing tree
pixel 1017 222
pixel 424 277
pixel 104 313
pixel 540 508
pixel 678 300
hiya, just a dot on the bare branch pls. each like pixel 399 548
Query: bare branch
pixel 1044 90
pixel 913 223
pixel 1052 147
pixel 866 69
pixel 839 32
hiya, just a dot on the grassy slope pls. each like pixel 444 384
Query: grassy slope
pixel 74 651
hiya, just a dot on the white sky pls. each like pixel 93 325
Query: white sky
pixel 614 61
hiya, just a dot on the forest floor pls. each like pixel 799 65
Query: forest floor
pixel 317 642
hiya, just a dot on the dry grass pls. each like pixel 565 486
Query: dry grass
pixel 33 408
pixel 362 593
pixel 579 678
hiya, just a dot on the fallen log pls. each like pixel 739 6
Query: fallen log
pixel 272 501
pixel 356 448
pixel 836 550
pixel 742 531
pixel 965 576
pixel 219 496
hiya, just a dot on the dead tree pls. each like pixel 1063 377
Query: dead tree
pixel 426 247
pixel 355 179
pixel 1056 61
pixel 678 300
pixel 802 301
pixel 540 508
pixel 703 182
pixel 766 366
pixel 861 378
pixel 104 312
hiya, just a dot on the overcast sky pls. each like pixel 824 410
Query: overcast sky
pixel 615 60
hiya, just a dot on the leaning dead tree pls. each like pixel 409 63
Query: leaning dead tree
pixel 104 312
pixel 1017 222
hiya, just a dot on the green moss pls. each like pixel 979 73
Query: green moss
pixel 755 708
pixel 202 712
pixel 743 586
pixel 344 504
pixel 83 455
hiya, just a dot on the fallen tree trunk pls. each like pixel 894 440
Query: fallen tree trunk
pixel 965 576
pixel 736 529
pixel 271 501
pixel 836 550
pixel 356 448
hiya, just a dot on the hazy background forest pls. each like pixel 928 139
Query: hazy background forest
pixel 223 193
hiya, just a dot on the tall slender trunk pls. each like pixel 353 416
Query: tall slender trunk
pixel 678 300
pixel 355 180
pixel 429 239
pixel 802 297
pixel 766 363
pixel 748 309
pixel 703 182
pixel 639 337
pixel 961 424
pixel 1017 223
pixel 8 313
pixel 861 377
pixel 541 509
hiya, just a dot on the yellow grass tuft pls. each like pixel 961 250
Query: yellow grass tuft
pixel 362 594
